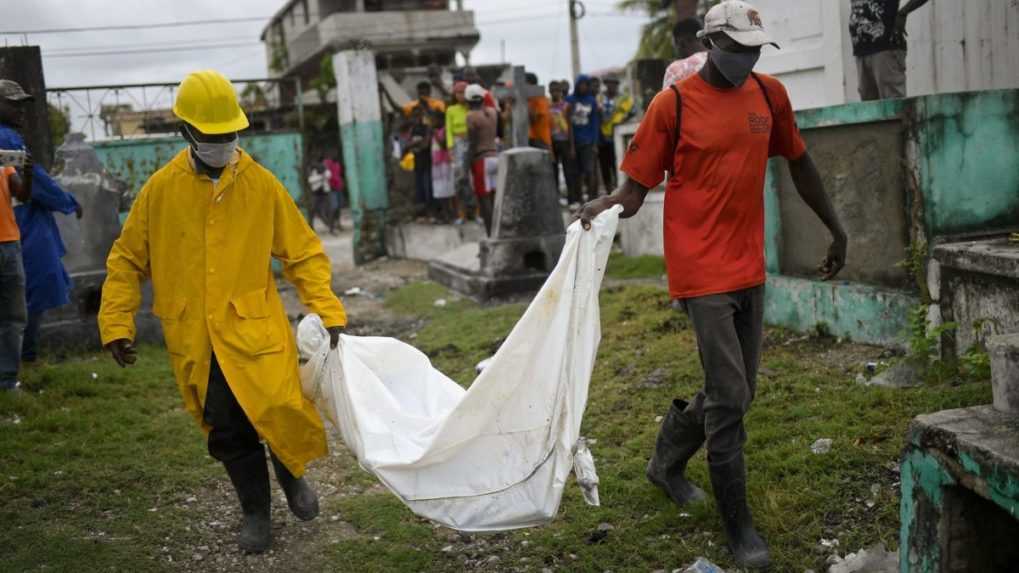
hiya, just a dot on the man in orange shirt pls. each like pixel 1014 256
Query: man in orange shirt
pixel 540 112
pixel 715 132
pixel 13 312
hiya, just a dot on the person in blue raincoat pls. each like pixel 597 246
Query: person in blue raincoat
pixel 47 284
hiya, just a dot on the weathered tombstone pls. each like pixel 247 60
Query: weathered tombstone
pixel 88 240
pixel 527 234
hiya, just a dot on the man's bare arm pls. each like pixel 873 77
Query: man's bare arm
pixel 19 190
pixel 810 187
pixel 630 196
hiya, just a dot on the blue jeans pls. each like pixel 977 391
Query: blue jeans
pixel 13 313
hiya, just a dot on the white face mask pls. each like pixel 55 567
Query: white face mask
pixel 215 155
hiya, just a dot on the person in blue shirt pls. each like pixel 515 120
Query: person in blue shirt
pixel 586 117
pixel 47 284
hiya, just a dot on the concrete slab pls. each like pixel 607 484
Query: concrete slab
pixel 1004 351
pixel 426 242
pixel 997 257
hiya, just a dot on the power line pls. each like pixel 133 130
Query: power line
pixel 151 50
pixel 137 26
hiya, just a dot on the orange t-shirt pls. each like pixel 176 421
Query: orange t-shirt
pixel 8 225
pixel 714 205
pixel 541 127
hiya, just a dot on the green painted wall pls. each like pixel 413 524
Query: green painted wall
pixel 967 174
pixel 363 153
pixel 969 170
pixel 135 160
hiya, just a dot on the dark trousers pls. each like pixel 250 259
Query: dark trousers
pixel 607 165
pixel 232 436
pixel 729 329
pixel 13 314
pixel 30 343
pixel 320 207
pixel 423 184
pixel 561 152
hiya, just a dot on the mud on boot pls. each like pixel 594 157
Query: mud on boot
pixel 728 480
pixel 678 440
pixel 303 500
pixel 250 476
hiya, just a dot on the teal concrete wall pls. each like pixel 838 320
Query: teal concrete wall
pixel 363 153
pixel 969 170
pixel 135 160
pixel 965 176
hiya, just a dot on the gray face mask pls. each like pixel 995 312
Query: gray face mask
pixel 214 155
pixel 734 66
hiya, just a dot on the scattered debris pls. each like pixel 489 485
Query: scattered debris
pixel 871 368
pixel 95 376
pixel 656 379
pixel 599 535
pixel 902 375
pixel 876 559
pixel 829 543
pixel 440 303
pixel 356 291
pixel 702 565
pixel 658 419
pixel 822 446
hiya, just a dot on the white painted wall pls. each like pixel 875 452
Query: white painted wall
pixel 954 45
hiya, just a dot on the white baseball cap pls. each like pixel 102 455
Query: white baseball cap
pixel 738 20
pixel 474 92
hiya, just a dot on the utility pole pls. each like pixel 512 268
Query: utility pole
pixel 577 11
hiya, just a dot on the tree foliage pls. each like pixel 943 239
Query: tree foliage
pixel 656 35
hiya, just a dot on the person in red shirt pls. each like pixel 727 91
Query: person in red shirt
pixel 715 132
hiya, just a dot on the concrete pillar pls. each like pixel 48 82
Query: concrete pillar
pixel 360 117
pixel 23 64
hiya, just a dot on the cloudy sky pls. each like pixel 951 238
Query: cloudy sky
pixel 535 33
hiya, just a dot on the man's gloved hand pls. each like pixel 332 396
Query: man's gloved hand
pixel 334 335
pixel 123 352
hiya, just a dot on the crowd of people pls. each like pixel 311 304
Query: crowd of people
pixel 33 279
pixel 452 146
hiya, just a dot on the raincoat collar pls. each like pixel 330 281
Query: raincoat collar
pixel 241 161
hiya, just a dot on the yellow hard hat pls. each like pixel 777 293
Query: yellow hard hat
pixel 207 100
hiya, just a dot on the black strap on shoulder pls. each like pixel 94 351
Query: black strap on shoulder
pixel 764 91
pixel 679 125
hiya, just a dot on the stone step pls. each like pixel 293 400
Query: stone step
pixel 1004 352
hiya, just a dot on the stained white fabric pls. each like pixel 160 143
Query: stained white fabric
pixel 495 456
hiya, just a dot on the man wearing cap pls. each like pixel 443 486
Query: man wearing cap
pixel 878 31
pixel 482 128
pixel 715 132
pixel 47 284
pixel 205 229
pixel 14 184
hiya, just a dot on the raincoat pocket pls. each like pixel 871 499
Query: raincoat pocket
pixel 250 329
pixel 170 312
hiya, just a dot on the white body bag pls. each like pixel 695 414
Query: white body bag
pixel 496 456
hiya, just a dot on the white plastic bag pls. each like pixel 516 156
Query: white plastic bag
pixel 493 457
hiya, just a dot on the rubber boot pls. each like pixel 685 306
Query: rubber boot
pixel 250 476
pixel 301 498
pixel 729 481
pixel 678 440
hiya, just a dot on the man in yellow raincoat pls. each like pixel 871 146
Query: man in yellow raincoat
pixel 204 229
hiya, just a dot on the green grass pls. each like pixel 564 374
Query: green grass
pixel 123 445
pixel 85 460
pixel 645 267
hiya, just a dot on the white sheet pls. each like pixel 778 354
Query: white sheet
pixel 493 457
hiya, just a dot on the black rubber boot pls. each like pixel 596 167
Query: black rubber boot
pixel 730 484
pixel 301 498
pixel 250 476
pixel 678 440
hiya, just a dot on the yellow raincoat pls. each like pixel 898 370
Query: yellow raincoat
pixel 207 248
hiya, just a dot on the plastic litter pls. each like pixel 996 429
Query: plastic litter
pixel 702 565
pixel 496 456
pixel 587 476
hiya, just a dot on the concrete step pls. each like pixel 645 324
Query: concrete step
pixel 1004 351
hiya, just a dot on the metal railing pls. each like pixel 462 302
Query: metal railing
pixel 122 111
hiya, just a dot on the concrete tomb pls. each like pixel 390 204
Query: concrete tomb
pixel 527 234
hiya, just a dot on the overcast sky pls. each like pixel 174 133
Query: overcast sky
pixel 535 34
